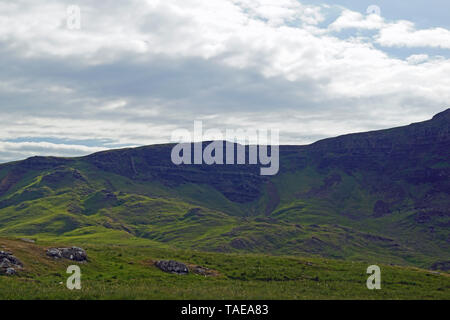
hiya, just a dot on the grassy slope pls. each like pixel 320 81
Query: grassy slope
pixel 54 204
pixel 125 271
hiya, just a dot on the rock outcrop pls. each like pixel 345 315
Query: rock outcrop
pixel 73 253
pixel 176 267
pixel 171 266
pixel 9 264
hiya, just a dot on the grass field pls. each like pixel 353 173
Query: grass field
pixel 126 271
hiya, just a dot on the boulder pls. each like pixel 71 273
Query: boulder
pixel 5 263
pixel 9 263
pixel 171 266
pixel 5 254
pixel 73 253
pixel 12 259
pixel 54 253
pixel 10 271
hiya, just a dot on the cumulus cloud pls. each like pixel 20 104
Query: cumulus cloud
pixel 351 19
pixel 137 70
pixel 400 33
pixel 404 34
pixel 417 58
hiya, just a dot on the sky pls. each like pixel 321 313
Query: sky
pixel 135 71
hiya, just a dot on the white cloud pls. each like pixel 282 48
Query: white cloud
pixel 41 146
pixel 12 150
pixel 400 33
pixel 417 58
pixel 351 19
pixel 404 34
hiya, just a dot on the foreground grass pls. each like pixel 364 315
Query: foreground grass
pixel 127 272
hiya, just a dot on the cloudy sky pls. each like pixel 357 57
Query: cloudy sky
pixel 137 70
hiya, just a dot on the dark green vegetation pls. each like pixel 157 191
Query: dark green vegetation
pixel 126 271
pixel 379 197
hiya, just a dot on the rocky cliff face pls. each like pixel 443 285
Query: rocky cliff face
pixel 394 160
pixel 425 144
pixel 238 183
